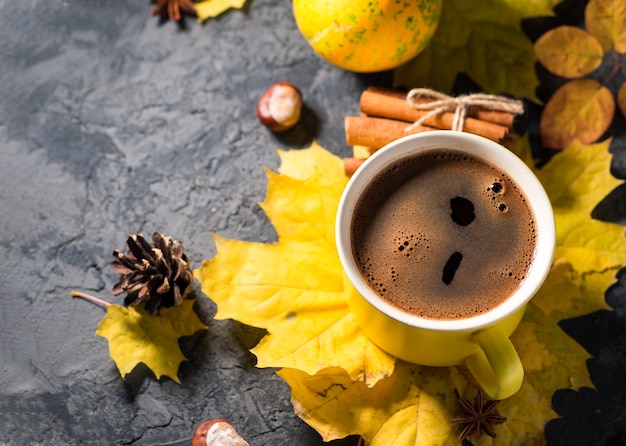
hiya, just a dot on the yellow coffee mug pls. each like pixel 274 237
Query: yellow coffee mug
pixel 480 342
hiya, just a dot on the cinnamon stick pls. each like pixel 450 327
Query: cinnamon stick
pixel 376 104
pixel 350 165
pixel 395 106
pixel 376 132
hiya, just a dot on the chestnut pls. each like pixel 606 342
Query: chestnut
pixel 217 433
pixel 280 106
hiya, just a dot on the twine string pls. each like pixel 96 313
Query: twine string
pixel 441 103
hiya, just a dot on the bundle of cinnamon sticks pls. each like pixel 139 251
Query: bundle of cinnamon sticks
pixel 386 116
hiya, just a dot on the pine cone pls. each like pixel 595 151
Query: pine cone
pixel 157 274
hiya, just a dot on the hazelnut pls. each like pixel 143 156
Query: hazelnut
pixel 217 433
pixel 279 107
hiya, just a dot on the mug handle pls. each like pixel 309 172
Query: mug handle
pixel 496 366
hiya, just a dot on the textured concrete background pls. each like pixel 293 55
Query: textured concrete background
pixel 114 122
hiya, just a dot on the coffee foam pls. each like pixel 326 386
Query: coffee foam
pixel 407 243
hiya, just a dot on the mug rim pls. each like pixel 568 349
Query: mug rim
pixel 486 150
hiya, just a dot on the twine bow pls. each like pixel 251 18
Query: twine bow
pixel 443 103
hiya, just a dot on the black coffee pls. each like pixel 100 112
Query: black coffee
pixel 443 235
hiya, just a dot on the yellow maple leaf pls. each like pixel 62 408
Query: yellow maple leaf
pixel 294 288
pixel 341 383
pixel 576 179
pixel 412 407
pixel 566 294
pixel 416 403
pixel 207 9
pixel 135 337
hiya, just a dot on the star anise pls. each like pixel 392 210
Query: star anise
pixel 478 418
pixel 157 274
pixel 172 8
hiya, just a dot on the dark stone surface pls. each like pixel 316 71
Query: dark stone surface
pixel 114 122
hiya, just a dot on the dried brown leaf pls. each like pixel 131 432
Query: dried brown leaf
pixel 606 20
pixel 569 51
pixel 581 109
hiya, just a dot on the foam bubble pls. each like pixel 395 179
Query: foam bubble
pixel 407 235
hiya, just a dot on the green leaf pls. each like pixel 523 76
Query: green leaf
pixel 134 337
pixel 484 39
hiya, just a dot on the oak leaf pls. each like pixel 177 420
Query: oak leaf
pixel 484 39
pixel 606 20
pixel 207 9
pixel 294 288
pixel 135 337
pixel 569 51
pixel 581 109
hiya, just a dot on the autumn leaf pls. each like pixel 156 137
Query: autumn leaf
pixel 299 299
pixel 551 359
pixel 415 404
pixel 389 413
pixel 569 51
pixel 581 109
pixel 207 9
pixel 135 337
pixel 294 288
pixel 606 20
pixel 576 179
pixel 484 39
